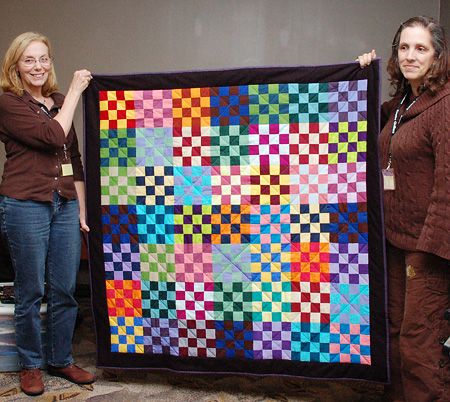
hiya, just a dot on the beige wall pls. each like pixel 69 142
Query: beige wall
pixel 444 14
pixel 123 36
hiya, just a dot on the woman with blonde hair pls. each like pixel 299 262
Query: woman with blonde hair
pixel 42 206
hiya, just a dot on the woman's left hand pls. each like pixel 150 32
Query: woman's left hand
pixel 366 58
pixel 80 81
pixel 83 225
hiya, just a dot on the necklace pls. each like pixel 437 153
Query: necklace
pixel 43 100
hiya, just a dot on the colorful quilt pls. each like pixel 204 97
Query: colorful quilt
pixel 236 221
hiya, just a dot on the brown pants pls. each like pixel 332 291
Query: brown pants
pixel 419 286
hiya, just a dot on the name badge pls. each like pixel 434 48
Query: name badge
pixel 388 179
pixel 67 169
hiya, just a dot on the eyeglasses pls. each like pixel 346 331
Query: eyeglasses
pixel 44 61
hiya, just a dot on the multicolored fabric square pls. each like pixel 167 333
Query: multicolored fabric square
pixel 234 219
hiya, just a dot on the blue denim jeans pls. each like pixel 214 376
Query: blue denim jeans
pixel 44 243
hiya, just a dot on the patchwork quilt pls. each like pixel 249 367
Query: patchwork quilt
pixel 236 221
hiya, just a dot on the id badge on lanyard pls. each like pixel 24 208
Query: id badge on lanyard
pixel 388 173
pixel 66 165
pixel 388 178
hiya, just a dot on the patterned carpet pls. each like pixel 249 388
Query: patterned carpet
pixel 134 385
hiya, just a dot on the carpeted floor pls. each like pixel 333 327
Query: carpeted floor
pixel 133 385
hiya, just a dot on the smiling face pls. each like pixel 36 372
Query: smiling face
pixel 32 72
pixel 415 55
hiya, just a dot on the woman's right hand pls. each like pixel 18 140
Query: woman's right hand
pixel 366 58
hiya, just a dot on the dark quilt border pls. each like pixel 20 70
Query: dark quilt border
pixel 378 370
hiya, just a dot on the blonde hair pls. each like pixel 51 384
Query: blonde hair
pixel 10 80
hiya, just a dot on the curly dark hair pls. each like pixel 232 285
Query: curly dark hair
pixel 438 74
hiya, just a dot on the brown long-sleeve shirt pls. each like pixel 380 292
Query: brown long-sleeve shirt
pixel 417 212
pixel 34 150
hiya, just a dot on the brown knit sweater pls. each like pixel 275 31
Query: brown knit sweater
pixel 417 212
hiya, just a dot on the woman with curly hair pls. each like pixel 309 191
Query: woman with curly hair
pixel 414 149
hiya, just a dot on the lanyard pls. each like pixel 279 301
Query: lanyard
pixel 46 111
pixel 396 123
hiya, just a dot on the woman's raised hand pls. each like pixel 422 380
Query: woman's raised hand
pixel 80 80
pixel 366 58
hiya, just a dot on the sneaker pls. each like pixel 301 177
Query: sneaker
pixel 31 381
pixel 72 373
